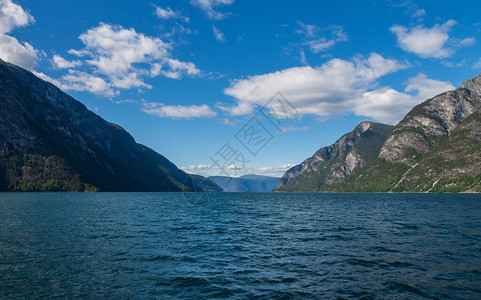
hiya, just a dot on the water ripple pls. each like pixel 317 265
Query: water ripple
pixel 240 246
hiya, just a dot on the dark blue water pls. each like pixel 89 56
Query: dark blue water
pixel 271 246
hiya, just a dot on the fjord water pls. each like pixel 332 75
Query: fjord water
pixel 197 246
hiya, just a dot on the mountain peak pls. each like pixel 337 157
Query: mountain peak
pixel 332 164
pixel 473 84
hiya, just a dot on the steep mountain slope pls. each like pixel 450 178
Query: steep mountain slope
pixel 202 183
pixel 330 165
pixel 246 183
pixel 51 142
pixel 434 148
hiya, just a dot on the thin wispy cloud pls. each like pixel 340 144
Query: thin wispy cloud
pixel 321 39
pixel 167 13
pixel 477 64
pixel 178 111
pixel 292 128
pixel 410 7
pixel 218 35
pixel 210 7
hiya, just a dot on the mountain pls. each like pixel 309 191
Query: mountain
pixel 204 184
pixel 51 142
pixel 330 165
pixel 246 183
pixel 435 148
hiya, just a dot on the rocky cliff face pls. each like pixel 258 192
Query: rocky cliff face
pixel 428 149
pixel 330 165
pixel 50 141
pixel 420 130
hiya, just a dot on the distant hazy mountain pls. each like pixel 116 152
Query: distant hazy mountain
pixel 330 165
pixel 246 183
pixel 435 148
pixel 205 184
pixel 51 142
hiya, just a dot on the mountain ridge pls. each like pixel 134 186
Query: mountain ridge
pixel 436 147
pixel 330 165
pixel 51 142
pixel 426 151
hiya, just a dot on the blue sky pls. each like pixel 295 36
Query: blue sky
pixel 186 78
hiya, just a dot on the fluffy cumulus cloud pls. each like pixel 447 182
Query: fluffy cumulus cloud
pixel 210 7
pixel 81 81
pixel 432 42
pixel 116 58
pixel 336 87
pixel 178 111
pixel 388 105
pixel 13 16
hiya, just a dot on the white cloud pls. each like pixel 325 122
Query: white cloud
pixel 410 7
pixel 429 42
pixel 81 81
pixel 388 105
pixel 303 58
pixel 384 105
pixel 116 58
pixel 291 128
pixel 13 16
pixel 168 13
pixel 317 43
pixel 477 64
pixel 419 13
pixel 308 29
pixel 79 53
pixel 209 7
pixel 165 13
pixel 321 90
pixel 218 35
pixel 12 51
pixel 336 87
pixel 275 171
pixel 464 42
pixel 178 111
pixel 169 32
pixel 241 109
pixel 62 63
pixel 229 122
pixel 196 168
pixel 176 69
pixel 427 88
pixel 237 171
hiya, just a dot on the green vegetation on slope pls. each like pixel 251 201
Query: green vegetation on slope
pixel 453 165
pixel 36 173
